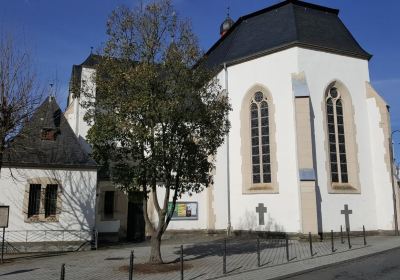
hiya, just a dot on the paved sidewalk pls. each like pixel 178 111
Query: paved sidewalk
pixel 205 258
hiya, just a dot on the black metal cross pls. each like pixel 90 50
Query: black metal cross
pixel 346 212
pixel 261 210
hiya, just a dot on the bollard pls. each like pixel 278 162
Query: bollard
pixel 62 277
pixel 224 258
pixel 181 262
pixel 287 248
pixel 348 237
pixel 365 240
pixel 341 235
pixel 258 252
pixel 131 266
pixel 333 245
pixel 2 245
pixel 311 248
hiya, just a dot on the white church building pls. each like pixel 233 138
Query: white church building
pixel 310 137
pixel 309 144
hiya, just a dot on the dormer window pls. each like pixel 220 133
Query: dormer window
pixel 49 134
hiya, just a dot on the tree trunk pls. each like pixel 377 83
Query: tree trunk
pixel 155 253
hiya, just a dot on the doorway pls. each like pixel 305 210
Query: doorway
pixel 136 224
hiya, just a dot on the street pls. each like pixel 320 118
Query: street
pixel 382 266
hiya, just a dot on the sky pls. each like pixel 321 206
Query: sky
pixel 60 33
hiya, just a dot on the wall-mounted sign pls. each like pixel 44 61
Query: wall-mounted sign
pixel 184 210
pixel 4 215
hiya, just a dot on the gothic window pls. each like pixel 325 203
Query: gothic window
pixel 260 143
pixel 51 200
pixel 336 137
pixel 34 200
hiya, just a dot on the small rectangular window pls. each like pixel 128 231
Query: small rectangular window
pixel 109 204
pixel 51 200
pixel 34 200
pixel 49 134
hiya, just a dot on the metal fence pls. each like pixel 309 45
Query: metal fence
pixel 32 241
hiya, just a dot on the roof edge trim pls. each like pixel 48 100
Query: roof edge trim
pixel 300 45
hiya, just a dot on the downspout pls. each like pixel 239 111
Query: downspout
pixel 228 176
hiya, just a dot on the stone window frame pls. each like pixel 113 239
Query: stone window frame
pixel 101 200
pixel 248 187
pixel 350 132
pixel 43 182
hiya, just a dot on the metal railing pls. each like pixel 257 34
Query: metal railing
pixel 24 241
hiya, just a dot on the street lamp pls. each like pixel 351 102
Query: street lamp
pixel 396 230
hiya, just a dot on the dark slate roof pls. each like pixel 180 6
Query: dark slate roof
pixel 29 150
pixel 284 25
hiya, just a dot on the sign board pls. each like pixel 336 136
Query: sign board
pixel 4 215
pixel 184 210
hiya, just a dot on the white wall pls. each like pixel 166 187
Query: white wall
pixel 274 73
pixel 382 177
pixel 75 112
pixel 321 69
pixel 78 198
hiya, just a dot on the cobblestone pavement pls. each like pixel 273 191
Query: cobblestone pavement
pixel 205 258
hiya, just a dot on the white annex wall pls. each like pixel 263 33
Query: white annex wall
pixel 78 198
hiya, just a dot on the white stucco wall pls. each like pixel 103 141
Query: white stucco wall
pixel 274 73
pixel 321 69
pixel 382 177
pixel 78 198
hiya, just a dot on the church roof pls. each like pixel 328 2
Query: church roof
pixel 284 25
pixel 60 149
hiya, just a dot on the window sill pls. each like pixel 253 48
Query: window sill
pixel 343 188
pixel 42 219
pixel 261 188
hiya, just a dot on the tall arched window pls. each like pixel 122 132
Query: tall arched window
pixel 260 142
pixel 337 139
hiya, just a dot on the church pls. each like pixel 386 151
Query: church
pixel 309 146
pixel 309 149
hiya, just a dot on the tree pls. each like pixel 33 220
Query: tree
pixel 158 116
pixel 19 94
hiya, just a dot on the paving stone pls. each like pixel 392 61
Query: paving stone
pixel 205 258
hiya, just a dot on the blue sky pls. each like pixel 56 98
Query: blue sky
pixel 60 33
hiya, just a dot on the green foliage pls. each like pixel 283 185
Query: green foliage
pixel 157 118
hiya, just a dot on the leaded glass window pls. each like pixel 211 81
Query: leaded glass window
pixel 34 200
pixel 260 142
pixel 51 200
pixel 336 137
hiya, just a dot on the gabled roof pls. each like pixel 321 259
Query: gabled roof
pixel 29 150
pixel 284 25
